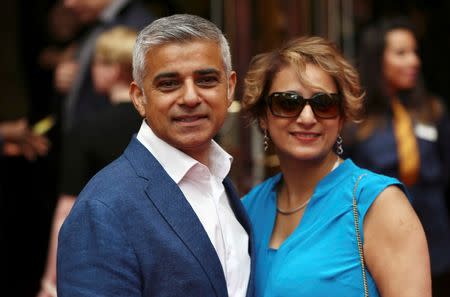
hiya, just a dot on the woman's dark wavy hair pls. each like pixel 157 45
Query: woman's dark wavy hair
pixel 370 63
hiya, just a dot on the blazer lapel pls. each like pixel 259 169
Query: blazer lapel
pixel 173 206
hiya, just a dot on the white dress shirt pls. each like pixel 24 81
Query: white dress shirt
pixel 203 189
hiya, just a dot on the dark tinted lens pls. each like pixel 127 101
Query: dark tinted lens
pixel 285 104
pixel 288 104
pixel 324 105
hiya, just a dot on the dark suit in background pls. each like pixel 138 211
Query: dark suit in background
pixel 82 101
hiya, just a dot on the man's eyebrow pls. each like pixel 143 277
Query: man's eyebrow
pixel 165 75
pixel 207 71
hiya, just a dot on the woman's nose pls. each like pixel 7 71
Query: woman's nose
pixel 307 116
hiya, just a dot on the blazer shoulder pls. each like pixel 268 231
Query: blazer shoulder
pixel 117 178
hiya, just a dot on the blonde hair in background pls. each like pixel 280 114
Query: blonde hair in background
pixel 115 46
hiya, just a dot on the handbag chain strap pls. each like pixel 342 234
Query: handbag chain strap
pixel 358 237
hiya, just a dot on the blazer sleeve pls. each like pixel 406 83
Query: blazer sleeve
pixel 95 258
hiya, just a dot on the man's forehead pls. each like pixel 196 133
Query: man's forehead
pixel 174 49
pixel 197 57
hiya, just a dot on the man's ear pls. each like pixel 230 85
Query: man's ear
pixel 231 87
pixel 138 98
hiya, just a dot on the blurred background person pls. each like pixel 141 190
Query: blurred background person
pixel 72 77
pixel 23 216
pixel 93 144
pixel 406 133
pixel 17 139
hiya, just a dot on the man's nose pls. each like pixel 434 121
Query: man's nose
pixel 190 96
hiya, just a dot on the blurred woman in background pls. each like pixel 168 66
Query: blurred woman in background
pixel 406 133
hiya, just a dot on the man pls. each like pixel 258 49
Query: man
pixel 163 219
pixel 72 77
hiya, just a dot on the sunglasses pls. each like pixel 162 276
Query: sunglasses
pixel 290 104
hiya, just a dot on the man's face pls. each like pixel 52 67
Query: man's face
pixel 185 94
pixel 87 10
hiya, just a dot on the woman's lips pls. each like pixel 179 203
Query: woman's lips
pixel 306 136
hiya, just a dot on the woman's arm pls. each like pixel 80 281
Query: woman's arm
pixel 395 247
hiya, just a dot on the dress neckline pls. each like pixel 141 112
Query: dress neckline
pixel 328 183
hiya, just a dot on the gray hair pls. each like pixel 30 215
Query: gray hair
pixel 176 28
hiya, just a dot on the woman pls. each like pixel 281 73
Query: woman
pixel 406 134
pixel 305 229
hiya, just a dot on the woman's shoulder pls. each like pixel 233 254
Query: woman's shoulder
pixel 369 176
pixel 370 183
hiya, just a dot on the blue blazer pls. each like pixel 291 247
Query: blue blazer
pixel 132 233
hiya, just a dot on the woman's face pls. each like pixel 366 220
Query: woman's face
pixel 401 63
pixel 306 136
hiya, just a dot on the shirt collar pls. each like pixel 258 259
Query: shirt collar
pixel 112 10
pixel 176 163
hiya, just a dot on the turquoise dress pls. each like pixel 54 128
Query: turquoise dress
pixel 320 258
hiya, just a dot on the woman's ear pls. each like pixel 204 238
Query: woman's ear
pixel 341 123
pixel 138 98
pixel 262 121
